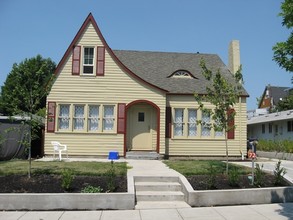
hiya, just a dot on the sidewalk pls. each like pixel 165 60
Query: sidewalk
pixel 255 212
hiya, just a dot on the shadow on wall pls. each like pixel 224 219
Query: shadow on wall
pixel 286 199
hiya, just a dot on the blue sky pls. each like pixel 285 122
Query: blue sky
pixel 34 27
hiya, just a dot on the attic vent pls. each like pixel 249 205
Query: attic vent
pixel 182 74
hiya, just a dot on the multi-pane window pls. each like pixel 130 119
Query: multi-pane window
pixel 270 127
pixel 108 118
pixel 178 122
pixel 206 124
pixel 192 124
pixel 64 117
pixel 78 118
pixel 88 60
pixel 93 118
pixel 86 118
pixel 218 130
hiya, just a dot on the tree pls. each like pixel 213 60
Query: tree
pixel 26 86
pixel 285 104
pixel 283 51
pixel 223 95
pixel 24 93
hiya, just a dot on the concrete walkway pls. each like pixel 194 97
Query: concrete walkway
pixel 255 212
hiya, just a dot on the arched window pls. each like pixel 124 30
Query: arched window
pixel 182 74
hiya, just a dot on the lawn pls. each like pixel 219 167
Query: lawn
pixel 20 167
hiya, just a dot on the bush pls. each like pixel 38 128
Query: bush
pixel 259 176
pixel 233 177
pixel 285 146
pixel 279 172
pixel 91 189
pixel 212 172
pixel 67 179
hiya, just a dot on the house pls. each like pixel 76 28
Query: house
pixel 104 100
pixel 274 126
pixel 272 95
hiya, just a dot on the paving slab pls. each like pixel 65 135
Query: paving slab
pixel 11 215
pixel 200 213
pixel 79 215
pixel 160 214
pixel 119 215
pixel 44 215
pixel 160 205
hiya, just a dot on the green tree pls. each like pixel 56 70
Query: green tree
pixel 223 95
pixel 24 93
pixel 26 86
pixel 283 51
pixel 285 104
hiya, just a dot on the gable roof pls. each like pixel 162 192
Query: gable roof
pixel 156 68
pixel 275 92
pixel 88 20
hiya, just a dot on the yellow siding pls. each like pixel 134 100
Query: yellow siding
pixel 115 87
pixel 209 147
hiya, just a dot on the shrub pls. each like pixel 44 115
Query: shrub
pixel 233 177
pixel 279 173
pixel 212 172
pixel 67 179
pixel 91 189
pixel 259 176
pixel 111 174
pixel 285 146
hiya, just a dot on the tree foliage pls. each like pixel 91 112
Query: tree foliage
pixel 285 104
pixel 223 94
pixel 26 86
pixel 283 51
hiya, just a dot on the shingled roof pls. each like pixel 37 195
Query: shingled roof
pixel 157 68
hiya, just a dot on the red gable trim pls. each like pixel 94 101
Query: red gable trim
pixel 90 19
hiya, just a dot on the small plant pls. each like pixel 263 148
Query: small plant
pixel 233 177
pixel 111 174
pixel 67 179
pixel 92 189
pixel 279 172
pixel 259 176
pixel 212 177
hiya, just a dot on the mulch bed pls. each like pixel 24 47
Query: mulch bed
pixel 52 184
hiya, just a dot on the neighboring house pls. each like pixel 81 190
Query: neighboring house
pixel 274 126
pixel 272 95
pixel 104 100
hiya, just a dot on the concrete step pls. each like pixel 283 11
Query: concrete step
pixel 157 186
pixel 156 179
pixel 159 196
pixel 161 205
pixel 142 155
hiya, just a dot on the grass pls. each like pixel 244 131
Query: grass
pixel 20 167
pixel 203 167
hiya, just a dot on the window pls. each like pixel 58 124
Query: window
pixel 270 128
pixel 289 126
pixel 88 60
pixel 108 118
pixel 206 124
pixel 141 116
pixel 178 122
pixel 64 117
pixel 93 118
pixel 192 125
pixel 263 128
pixel 182 74
pixel 86 118
pixel 78 118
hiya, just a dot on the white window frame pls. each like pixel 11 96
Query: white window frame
pixel 88 64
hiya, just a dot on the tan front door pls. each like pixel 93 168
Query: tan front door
pixel 140 128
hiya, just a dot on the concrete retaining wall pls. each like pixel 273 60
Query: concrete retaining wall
pixel 70 201
pixel 240 197
pixel 275 155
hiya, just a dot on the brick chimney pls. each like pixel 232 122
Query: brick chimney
pixel 234 56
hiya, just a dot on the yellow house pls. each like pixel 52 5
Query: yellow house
pixel 106 100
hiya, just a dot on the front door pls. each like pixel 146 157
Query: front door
pixel 140 128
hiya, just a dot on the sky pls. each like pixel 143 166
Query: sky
pixel 32 27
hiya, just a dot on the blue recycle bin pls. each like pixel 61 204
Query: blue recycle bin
pixel 113 155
